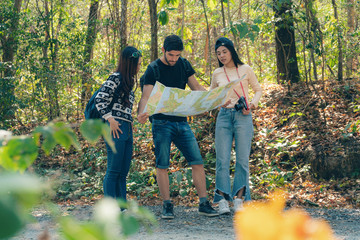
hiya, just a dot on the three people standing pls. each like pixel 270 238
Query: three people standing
pixel 231 124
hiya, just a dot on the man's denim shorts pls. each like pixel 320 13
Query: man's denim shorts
pixel 164 132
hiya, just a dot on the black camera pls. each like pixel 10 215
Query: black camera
pixel 241 103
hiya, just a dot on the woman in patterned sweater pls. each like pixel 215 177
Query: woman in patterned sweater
pixel 114 102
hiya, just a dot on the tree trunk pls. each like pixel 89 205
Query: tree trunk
pixel 311 32
pixel 208 58
pixel 88 51
pixel 7 72
pixel 9 41
pixel 182 19
pixel 241 41
pixel 49 68
pixel 340 56
pixel 123 24
pixel 115 27
pixel 154 29
pixel 223 13
pixel 231 26
pixel 351 24
pixel 286 60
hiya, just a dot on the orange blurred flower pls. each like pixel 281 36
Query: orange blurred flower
pixel 268 221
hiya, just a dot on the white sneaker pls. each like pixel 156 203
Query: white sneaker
pixel 224 207
pixel 238 204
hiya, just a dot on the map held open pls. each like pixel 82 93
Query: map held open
pixel 179 102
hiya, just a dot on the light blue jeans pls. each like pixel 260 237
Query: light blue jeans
pixel 232 125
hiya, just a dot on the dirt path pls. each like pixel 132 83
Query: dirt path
pixel 189 225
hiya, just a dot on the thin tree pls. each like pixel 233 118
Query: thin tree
pixel 153 29
pixel 9 45
pixel 231 24
pixel 223 13
pixel 286 60
pixel 8 39
pixel 123 24
pixel 182 18
pixel 207 37
pixel 340 56
pixel 50 50
pixel 88 50
pixel 351 24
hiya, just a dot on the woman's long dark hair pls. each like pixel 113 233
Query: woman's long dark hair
pixel 127 67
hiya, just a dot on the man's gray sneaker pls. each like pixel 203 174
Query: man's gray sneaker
pixel 206 210
pixel 168 211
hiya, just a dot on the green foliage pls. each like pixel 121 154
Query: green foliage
pixel 49 66
pixel 57 133
pixel 138 181
pixel 351 129
pixel 18 153
pixel 19 193
pixel 93 129
pixel 163 17
pixel 181 182
pixel 108 222
pixel 243 29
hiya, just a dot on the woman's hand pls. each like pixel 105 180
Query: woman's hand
pixel 115 127
pixel 142 117
pixel 247 112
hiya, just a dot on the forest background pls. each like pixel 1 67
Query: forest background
pixel 56 53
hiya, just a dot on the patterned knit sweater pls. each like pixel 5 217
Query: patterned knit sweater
pixel 105 96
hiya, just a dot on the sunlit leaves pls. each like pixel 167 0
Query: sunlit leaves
pixel 108 221
pixel 93 129
pixel 129 224
pixel 74 230
pixel 57 133
pixel 174 3
pixel 18 193
pixel 211 4
pixel 187 33
pixel 65 136
pixel 49 141
pixel 242 29
pixel 163 17
pixel 18 154
pixel 246 30
pixel 10 221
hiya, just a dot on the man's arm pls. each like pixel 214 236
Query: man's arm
pixel 194 84
pixel 142 117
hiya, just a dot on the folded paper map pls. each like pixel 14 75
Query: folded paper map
pixel 179 102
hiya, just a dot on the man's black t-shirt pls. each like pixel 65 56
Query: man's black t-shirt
pixel 171 76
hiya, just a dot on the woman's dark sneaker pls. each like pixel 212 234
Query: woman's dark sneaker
pixel 206 210
pixel 168 211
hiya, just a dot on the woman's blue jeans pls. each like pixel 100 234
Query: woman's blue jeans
pixel 118 164
pixel 232 125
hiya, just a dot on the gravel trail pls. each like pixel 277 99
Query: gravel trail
pixel 187 224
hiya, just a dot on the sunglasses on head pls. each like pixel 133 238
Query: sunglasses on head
pixel 137 54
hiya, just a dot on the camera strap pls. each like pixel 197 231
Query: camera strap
pixel 247 106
